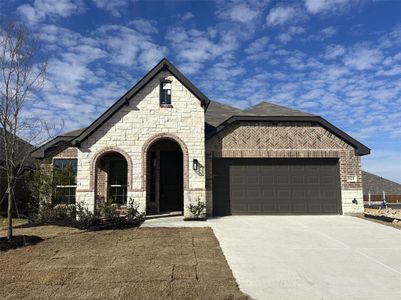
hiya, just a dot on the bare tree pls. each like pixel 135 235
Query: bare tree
pixel 22 73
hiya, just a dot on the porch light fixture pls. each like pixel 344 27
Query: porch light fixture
pixel 195 164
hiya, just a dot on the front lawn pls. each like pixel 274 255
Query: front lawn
pixel 136 263
pixel 16 221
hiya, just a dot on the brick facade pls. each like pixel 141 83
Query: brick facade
pixel 287 140
pixel 142 121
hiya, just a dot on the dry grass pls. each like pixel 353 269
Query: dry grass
pixel 140 263
pixel 16 221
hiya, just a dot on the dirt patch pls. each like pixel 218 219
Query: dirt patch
pixel 384 212
pixel 386 216
pixel 139 263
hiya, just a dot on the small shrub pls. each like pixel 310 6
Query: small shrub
pixel 84 217
pixel 133 213
pixel 107 210
pixel 197 209
pixel 49 214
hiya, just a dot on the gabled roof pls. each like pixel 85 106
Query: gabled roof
pixel 266 111
pixel 65 138
pixel 164 64
pixel 376 185
pixel 217 115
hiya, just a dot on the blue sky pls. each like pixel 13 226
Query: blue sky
pixel 340 59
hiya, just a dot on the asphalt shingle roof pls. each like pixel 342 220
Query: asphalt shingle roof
pixel 270 109
pixel 376 185
pixel 218 112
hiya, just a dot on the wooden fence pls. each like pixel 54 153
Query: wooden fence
pixel 389 198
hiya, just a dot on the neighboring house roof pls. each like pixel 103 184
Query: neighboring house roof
pixel 22 144
pixel 217 115
pixel 376 185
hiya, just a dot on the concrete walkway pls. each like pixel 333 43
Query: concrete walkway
pixel 308 257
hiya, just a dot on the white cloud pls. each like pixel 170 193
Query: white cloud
pixel 241 13
pixel 280 15
pixel 187 16
pixel 363 58
pixel 129 47
pixel 144 26
pixel 394 70
pixel 334 51
pixel 40 9
pixel 290 33
pixel 328 31
pixel 318 6
pixel 113 6
pixel 257 46
pixel 196 46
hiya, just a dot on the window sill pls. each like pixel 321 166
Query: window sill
pixel 166 105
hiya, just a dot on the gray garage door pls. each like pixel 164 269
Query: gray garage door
pixel 276 186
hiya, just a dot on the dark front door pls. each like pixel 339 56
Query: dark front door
pixel 276 186
pixel 171 178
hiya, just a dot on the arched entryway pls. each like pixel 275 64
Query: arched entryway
pixel 111 180
pixel 164 177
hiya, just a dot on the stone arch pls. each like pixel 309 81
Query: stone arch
pixel 98 156
pixel 165 136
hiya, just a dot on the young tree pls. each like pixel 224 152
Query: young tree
pixel 22 72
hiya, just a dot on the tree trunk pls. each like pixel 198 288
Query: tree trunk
pixel 9 214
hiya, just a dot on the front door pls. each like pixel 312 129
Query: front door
pixel 171 181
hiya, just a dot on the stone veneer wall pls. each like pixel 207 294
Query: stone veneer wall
pixel 131 128
pixel 287 139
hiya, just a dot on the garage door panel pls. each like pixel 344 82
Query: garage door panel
pixel 267 179
pixel 284 207
pixel 237 179
pixel 298 180
pixel 277 186
pixel 327 180
pixel 312 179
pixel 299 207
pixel 298 194
pixel 253 179
pixel 283 195
pixel 268 194
pixel 255 208
pixel 282 179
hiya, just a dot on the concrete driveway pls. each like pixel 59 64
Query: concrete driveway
pixel 311 257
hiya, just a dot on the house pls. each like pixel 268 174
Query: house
pixel 23 201
pixel 374 186
pixel 165 144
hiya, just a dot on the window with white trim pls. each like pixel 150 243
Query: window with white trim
pixel 65 177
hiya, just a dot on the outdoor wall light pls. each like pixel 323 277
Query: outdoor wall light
pixel 355 201
pixel 195 164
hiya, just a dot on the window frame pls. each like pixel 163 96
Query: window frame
pixel 162 101
pixel 70 186
pixel 115 186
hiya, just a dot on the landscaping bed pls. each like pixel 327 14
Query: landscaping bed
pixel 135 263
pixel 388 216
